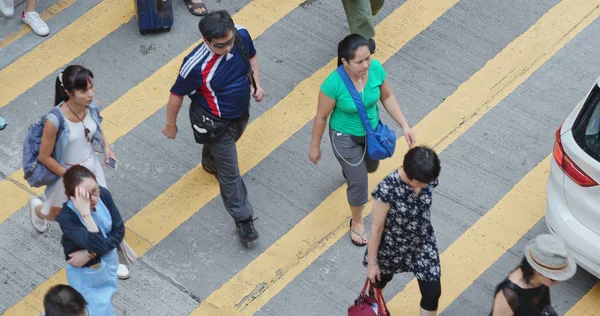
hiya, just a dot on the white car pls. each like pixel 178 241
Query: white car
pixel 573 209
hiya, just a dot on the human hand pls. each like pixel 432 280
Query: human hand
pixel 314 154
pixel 170 131
pixel 259 94
pixel 108 153
pixel 81 200
pixel 409 136
pixel 79 258
pixel 373 272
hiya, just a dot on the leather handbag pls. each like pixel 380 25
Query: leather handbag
pixel 368 304
pixel 381 142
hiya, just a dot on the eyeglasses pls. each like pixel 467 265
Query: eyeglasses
pixel 223 45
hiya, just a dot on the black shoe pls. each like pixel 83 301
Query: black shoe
pixel 208 164
pixel 372 46
pixel 246 231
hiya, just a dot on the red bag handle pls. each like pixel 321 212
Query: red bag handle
pixel 381 306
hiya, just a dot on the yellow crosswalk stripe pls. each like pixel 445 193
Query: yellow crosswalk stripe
pixel 63 47
pixel 269 273
pixel 53 10
pixel 134 107
pixel 589 305
pixel 524 205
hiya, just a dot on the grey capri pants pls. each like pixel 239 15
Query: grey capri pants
pixel 350 153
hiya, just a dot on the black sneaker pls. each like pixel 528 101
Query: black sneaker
pixel 372 46
pixel 246 231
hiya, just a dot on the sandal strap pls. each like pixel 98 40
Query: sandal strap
pixel 362 236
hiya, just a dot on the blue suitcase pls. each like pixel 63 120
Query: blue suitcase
pixel 154 15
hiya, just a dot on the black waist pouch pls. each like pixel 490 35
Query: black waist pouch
pixel 207 127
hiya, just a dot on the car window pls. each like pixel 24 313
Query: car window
pixel 586 130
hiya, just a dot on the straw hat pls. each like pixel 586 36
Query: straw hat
pixel 548 256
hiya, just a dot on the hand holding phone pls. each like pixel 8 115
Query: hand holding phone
pixel 112 163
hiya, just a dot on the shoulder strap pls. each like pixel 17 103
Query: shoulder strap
pixel 239 44
pixel 362 111
pixel 60 117
pixel 524 297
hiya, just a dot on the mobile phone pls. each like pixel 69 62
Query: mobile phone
pixel 112 163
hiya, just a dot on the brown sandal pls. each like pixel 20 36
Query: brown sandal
pixel 193 6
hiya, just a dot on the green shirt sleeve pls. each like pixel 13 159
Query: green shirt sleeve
pixel 378 72
pixel 331 85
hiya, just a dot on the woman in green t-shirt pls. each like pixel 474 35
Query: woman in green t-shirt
pixel 346 130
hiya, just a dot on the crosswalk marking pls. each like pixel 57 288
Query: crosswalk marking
pixel 152 224
pixel 264 277
pixel 53 10
pixel 589 305
pixel 63 47
pixel 524 205
pixel 270 272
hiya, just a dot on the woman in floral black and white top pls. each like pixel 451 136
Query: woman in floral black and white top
pixel 402 238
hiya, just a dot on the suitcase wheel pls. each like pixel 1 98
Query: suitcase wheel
pixel 143 32
pixel 168 29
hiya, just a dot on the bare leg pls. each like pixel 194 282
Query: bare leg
pixel 358 223
pixel 428 313
pixel 30 5
pixel 54 210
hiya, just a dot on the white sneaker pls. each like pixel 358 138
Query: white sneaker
pixel 33 19
pixel 123 272
pixel 39 224
pixel 7 7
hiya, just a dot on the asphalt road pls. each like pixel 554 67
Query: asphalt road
pixel 485 83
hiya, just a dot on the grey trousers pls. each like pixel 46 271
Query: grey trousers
pixel 356 164
pixel 223 155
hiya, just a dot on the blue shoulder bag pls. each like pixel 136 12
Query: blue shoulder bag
pixel 381 142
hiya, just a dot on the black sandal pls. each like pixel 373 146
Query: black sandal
pixel 193 6
pixel 362 236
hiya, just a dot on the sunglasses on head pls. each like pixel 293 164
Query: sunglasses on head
pixel 223 45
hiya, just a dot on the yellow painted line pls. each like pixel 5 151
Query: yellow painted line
pixel 53 10
pixel 524 205
pixel 269 273
pixel 589 305
pixel 194 190
pixel 63 47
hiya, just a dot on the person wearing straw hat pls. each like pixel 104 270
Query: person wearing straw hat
pixel 526 291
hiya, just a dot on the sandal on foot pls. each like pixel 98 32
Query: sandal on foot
pixel 193 6
pixel 362 237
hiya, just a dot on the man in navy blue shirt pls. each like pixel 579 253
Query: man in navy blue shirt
pixel 215 75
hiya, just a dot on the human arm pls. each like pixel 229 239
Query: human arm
pixel 49 135
pixel 392 106
pixel 173 106
pixel 501 307
pixel 259 94
pixel 325 106
pixel 378 217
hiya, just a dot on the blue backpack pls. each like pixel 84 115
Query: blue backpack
pixel 36 173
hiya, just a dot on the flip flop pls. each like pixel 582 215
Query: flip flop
pixel 362 236
pixel 192 6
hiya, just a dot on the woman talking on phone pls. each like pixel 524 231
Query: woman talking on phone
pixel 91 223
pixel 71 140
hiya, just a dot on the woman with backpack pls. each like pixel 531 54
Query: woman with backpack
pixel 91 222
pixel 346 129
pixel 71 136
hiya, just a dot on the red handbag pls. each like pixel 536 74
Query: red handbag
pixel 368 305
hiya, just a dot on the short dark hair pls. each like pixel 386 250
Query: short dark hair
pixel 216 24
pixel 63 300
pixel 74 77
pixel 422 164
pixel 73 178
pixel 348 46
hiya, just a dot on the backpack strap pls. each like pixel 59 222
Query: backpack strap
pixel 61 118
pixel 360 106
pixel 239 45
